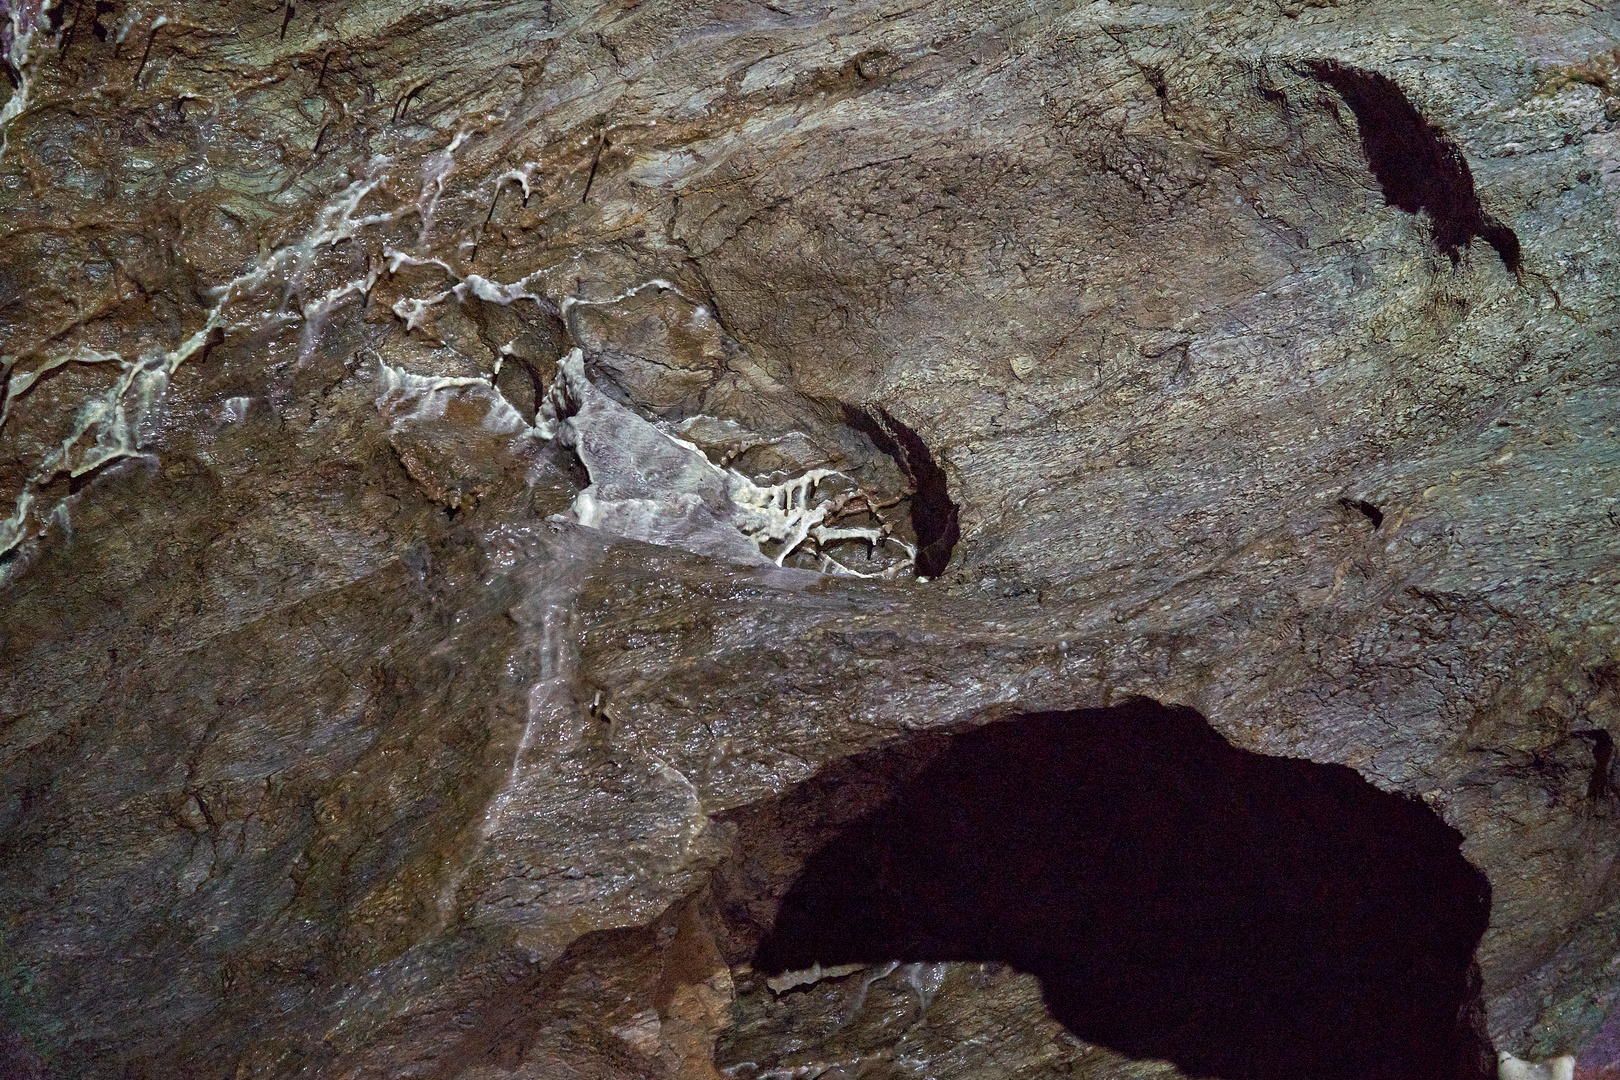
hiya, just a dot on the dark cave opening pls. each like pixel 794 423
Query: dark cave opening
pixel 1417 166
pixel 1242 916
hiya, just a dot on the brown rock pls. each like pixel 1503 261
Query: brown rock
pixel 1257 359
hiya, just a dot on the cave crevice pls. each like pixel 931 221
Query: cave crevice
pixel 934 515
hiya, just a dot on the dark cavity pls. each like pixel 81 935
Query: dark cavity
pixel 1417 166
pixel 933 514
pixel 1366 510
pixel 1242 916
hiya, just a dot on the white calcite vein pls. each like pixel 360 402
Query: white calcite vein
pixel 24 25
pixel 108 427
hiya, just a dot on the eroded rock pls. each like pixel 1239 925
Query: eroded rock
pixel 1255 359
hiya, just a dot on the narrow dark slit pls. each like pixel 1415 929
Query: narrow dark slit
pixel 933 514
pixel 1602 761
pixel 1242 916
pixel 83 480
pixel 1416 165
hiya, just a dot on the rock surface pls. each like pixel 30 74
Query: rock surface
pixel 1258 358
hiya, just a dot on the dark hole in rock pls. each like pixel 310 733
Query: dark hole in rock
pixel 1241 916
pixel 933 514
pixel 1155 78
pixel 1602 761
pixel 1417 166
pixel 1366 510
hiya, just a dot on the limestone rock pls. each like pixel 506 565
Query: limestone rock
pixel 1256 358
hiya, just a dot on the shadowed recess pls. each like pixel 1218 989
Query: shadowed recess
pixel 1242 916
pixel 933 513
pixel 1417 166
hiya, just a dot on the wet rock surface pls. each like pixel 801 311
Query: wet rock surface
pixel 389 689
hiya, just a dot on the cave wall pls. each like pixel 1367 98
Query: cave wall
pixel 1261 357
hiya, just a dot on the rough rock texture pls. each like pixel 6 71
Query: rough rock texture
pixel 1258 358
